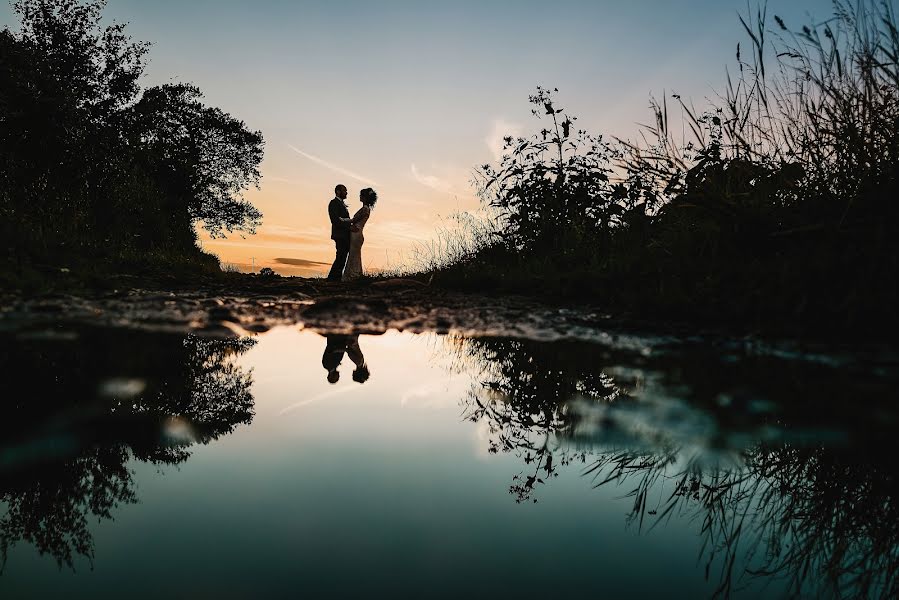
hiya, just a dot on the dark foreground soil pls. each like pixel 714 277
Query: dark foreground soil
pixel 238 305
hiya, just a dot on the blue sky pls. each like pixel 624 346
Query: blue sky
pixel 407 95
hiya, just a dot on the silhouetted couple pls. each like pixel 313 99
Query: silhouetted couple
pixel 335 349
pixel 347 233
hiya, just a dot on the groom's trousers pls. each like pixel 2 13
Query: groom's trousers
pixel 343 251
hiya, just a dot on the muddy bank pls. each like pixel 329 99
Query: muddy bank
pixel 241 305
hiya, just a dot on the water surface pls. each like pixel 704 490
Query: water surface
pixel 441 466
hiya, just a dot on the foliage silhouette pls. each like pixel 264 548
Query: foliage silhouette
pixel 67 443
pixel 781 203
pixel 92 167
pixel 776 213
pixel 527 406
pixel 726 438
pixel 552 189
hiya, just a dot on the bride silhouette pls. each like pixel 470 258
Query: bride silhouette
pixel 369 198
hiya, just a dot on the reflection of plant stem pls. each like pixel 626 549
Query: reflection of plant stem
pixel 791 513
pixel 526 406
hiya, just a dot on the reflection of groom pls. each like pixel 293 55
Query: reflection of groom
pixel 335 349
pixel 338 346
pixel 340 231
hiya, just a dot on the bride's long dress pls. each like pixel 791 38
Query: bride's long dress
pixel 354 262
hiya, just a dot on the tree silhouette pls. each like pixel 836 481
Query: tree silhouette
pixel 91 164
pixel 205 157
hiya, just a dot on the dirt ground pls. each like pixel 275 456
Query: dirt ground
pixel 246 305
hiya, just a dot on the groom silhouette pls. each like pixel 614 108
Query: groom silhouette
pixel 340 231
pixel 335 350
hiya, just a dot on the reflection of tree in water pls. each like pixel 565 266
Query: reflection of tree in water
pixel 823 519
pixel 523 397
pixel 93 405
pixel 52 511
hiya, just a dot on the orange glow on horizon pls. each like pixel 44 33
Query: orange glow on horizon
pixel 295 236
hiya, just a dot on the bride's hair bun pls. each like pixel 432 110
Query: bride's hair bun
pixel 369 196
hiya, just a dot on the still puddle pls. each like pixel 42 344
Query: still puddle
pixel 440 466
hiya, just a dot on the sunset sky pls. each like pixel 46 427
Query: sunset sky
pixel 408 96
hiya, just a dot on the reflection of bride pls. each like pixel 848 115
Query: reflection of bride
pixel 368 197
pixel 361 373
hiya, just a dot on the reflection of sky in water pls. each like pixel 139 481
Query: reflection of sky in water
pixel 381 487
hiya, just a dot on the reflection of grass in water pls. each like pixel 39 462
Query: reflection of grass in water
pixel 525 404
pixel 196 385
pixel 824 520
pixel 824 523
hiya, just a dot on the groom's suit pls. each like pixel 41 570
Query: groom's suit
pixel 340 233
pixel 335 349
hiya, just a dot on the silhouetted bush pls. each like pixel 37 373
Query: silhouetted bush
pixel 552 190
pixel 776 212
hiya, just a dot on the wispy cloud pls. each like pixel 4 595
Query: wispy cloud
pixel 339 391
pixel 299 262
pixel 283 180
pixel 400 231
pixel 291 233
pixel 499 129
pixel 282 238
pixel 432 181
pixel 332 166
pixel 446 183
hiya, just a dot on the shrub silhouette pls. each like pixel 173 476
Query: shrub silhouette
pixel 774 212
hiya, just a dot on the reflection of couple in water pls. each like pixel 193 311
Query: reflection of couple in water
pixel 336 348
